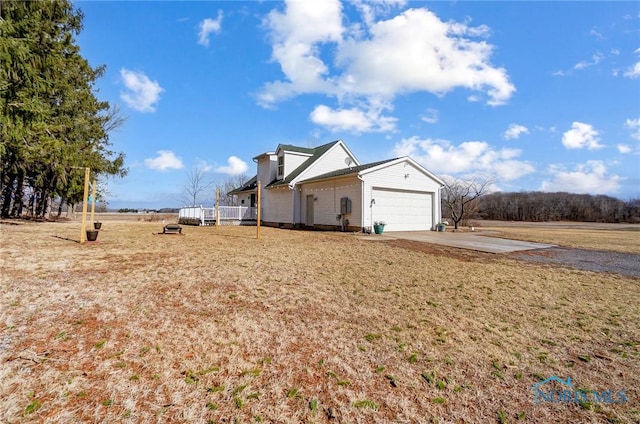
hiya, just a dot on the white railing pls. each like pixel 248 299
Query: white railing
pixel 241 213
pixel 190 212
pixel 193 214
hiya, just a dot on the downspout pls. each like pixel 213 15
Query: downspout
pixel 292 187
pixel 335 206
pixel 361 202
pixel 439 205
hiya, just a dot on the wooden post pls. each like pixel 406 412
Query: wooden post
pixel 93 201
pixel 258 212
pixel 217 209
pixel 85 198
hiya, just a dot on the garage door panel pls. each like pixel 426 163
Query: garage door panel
pixel 402 210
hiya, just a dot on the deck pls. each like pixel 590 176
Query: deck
pixel 229 215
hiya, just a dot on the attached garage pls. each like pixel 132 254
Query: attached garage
pixel 402 210
pixel 401 193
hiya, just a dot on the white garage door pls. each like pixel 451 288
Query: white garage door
pixel 402 210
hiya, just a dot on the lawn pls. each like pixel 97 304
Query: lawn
pixel 610 237
pixel 216 326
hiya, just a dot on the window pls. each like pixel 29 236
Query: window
pixel 280 166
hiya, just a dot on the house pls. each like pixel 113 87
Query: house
pixel 327 188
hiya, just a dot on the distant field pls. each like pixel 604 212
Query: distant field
pixel 216 326
pixel 585 235
pixel 136 217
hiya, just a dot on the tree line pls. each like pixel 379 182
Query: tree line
pixel 52 125
pixel 542 206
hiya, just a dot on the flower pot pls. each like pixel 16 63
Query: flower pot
pixel 92 235
pixel 97 225
pixel 378 229
pixel 441 228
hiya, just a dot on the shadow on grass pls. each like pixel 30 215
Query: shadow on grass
pixel 239 236
pixel 66 239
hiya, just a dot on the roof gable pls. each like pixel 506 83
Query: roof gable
pixel 316 154
pixel 405 159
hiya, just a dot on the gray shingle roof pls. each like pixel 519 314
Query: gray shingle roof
pixel 316 153
pixel 347 171
pixel 250 185
pixel 292 148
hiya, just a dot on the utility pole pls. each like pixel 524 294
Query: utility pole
pixel 258 212
pixel 85 198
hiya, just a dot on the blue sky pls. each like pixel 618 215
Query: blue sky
pixel 540 95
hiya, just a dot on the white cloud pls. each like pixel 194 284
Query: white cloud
pixel 581 135
pixel 469 157
pixel 209 26
pixel 634 127
pixel 515 131
pixel 295 35
pixel 166 159
pixel 235 166
pixel 354 119
pixel 633 72
pixel 142 94
pixel 596 33
pixel 370 10
pixel 624 149
pixel 431 117
pixel 590 177
pixel 595 59
pixel 204 166
pixel 414 51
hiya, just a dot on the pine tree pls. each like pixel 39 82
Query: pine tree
pixel 51 122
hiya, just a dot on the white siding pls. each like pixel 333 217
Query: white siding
pixel 400 176
pixel 280 207
pixel 327 204
pixel 332 160
pixel 267 168
pixel 292 161
pixel 244 199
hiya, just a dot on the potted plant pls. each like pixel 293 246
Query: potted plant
pixel 92 235
pixel 378 226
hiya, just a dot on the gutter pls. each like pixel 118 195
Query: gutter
pixel 361 201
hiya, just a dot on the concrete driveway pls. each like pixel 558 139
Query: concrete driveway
pixel 480 241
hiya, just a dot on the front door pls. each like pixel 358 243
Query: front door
pixel 309 221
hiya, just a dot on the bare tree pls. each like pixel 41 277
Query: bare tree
pixel 231 183
pixel 458 196
pixel 544 206
pixel 196 186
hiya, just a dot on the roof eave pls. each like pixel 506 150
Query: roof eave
pixel 263 154
pixel 333 177
pixel 402 159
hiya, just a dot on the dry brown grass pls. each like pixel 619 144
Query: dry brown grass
pixel 299 327
pixel 613 237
